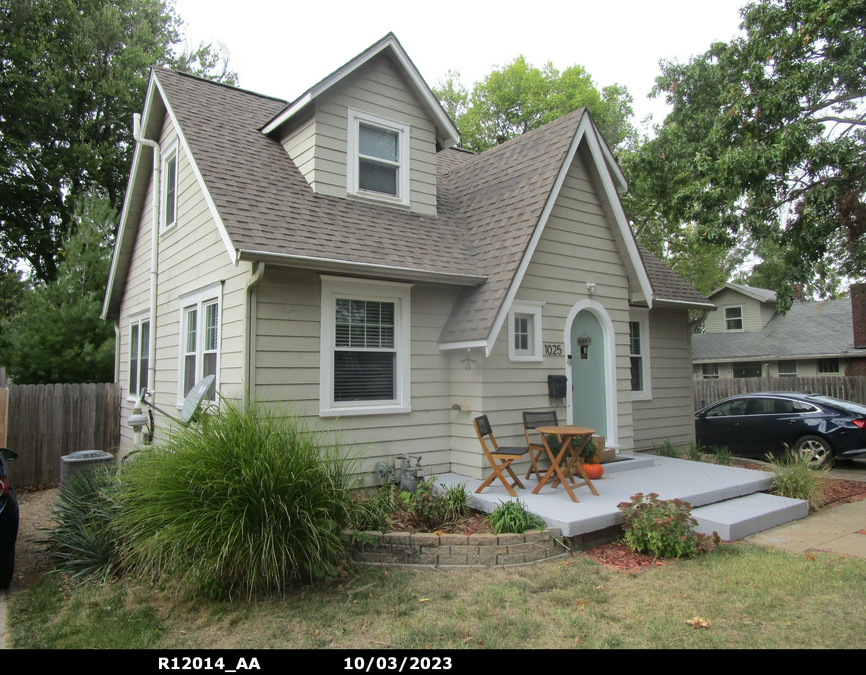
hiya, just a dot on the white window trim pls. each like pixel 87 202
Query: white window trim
pixel 352 158
pixel 363 289
pixel 641 316
pixel 172 152
pixel 779 372
pixel 137 318
pixel 742 319
pixel 198 299
pixel 533 309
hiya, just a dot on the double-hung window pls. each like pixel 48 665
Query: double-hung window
pixel 378 158
pixel 365 343
pixel 524 331
pixel 199 339
pixel 139 350
pixel 169 188
pixel 733 318
pixel 638 347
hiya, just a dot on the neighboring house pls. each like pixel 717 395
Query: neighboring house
pixel 340 254
pixel 746 337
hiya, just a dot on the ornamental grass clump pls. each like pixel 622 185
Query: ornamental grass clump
pixel 664 528
pixel 795 477
pixel 84 541
pixel 248 500
pixel 513 518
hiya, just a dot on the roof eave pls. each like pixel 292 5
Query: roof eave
pixel 684 304
pixel 367 269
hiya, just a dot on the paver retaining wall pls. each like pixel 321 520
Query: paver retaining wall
pixel 459 550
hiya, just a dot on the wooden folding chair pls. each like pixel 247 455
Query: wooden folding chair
pixel 531 421
pixel 500 458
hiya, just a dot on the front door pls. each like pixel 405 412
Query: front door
pixel 588 381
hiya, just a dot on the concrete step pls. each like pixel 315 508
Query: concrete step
pixel 737 518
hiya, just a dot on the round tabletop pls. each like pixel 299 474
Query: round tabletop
pixel 565 430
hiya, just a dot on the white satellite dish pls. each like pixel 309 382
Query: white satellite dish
pixel 191 404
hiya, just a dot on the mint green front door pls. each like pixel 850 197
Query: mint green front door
pixel 589 397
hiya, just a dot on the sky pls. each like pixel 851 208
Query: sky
pixel 283 48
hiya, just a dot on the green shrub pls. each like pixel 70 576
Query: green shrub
pixel 513 518
pixel 375 513
pixel 426 507
pixel 247 500
pixel 456 501
pixel 794 477
pixel 668 449
pixel 85 542
pixel 723 455
pixel 663 528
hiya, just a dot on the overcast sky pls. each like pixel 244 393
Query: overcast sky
pixel 281 48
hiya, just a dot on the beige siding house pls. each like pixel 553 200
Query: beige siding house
pixel 340 254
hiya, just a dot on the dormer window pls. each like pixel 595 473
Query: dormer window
pixel 378 161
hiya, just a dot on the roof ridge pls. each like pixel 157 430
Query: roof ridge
pixel 230 87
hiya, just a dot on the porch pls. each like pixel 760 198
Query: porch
pixel 724 499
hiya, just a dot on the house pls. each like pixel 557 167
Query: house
pixel 747 337
pixel 341 254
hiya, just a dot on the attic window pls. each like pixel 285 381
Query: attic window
pixel 378 158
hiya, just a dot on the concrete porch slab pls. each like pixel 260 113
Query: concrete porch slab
pixel 697 483
pixel 738 518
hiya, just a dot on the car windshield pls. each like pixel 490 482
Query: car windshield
pixel 847 406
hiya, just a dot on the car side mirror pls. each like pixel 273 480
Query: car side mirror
pixel 8 454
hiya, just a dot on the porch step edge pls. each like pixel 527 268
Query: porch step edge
pixel 735 519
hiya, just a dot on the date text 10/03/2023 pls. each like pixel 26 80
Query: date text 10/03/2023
pixel 383 663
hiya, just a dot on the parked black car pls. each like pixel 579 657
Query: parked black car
pixel 8 520
pixel 818 427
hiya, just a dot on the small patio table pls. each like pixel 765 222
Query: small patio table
pixel 570 454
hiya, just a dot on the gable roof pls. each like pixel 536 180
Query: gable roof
pixel 759 294
pixel 669 288
pixel 808 330
pixel 491 207
pixel 446 131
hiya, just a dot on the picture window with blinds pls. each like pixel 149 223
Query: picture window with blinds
pixel 365 367
pixel 378 162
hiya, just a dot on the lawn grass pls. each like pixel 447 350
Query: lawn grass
pixel 750 596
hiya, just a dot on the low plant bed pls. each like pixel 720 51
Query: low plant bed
pixel 472 522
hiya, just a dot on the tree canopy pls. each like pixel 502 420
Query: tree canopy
pixel 766 143
pixel 519 97
pixel 72 73
pixel 57 335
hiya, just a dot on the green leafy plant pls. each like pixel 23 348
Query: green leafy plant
pixel 693 452
pixel 589 450
pixel 456 500
pixel 250 500
pixel 513 518
pixel 794 477
pixel 723 455
pixel 85 543
pixel 668 449
pixel 426 507
pixel 375 513
pixel 661 527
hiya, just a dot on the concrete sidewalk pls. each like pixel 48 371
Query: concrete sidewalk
pixel 840 530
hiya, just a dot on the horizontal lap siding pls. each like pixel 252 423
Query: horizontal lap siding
pixel 192 255
pixel 670 413
pixel 377 88
pixel 755 314
pixel 577 246
pixel 288 317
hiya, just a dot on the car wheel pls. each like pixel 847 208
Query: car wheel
pixel 7 567
pixel 814 450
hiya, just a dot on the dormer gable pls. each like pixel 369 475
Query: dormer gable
pixel 741 309
pixel 369 131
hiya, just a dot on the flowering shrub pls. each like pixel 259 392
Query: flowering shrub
pixel 661 527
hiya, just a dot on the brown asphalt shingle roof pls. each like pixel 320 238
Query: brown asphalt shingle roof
pixel 488 204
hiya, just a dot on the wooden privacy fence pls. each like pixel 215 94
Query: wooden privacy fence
pixel 43 422
pixel 848 388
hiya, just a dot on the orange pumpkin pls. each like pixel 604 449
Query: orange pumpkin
pixel 593 471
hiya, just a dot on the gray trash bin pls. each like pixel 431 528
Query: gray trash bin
pixel 83 460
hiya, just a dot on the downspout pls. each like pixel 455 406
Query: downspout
pixel 154 246
pixel 249 339
pixel 116 351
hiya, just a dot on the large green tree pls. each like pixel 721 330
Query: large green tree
pixel 519 97
pixel 57 335
pixel 766 140
pixel 72 72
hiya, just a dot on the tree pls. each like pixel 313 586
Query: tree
pixel 58 335
pixel 72 73
pixel 767 139
pixel 520 97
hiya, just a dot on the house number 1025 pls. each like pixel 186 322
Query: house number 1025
pixel 552 349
